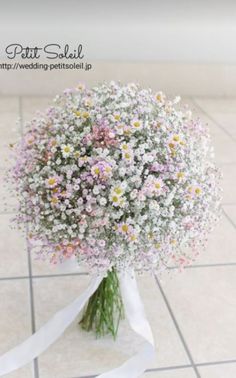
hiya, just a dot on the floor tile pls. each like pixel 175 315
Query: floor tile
pixel 224 149
pixel 8 201
pixel 177 373
pixel 13 249
pixel 224 145
pixel 199 112
pixel 230 210
pixel 78 353
pixel 204 303
pixel 218 371
pixel 44 268
pixel 221 245
pixel 222 105
pixel 227 121
pixel 229 183
pixel 9 129
pixel 31 105
pixel 15 323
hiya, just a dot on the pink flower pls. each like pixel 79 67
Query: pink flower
pixel 101 170
pixel 103 136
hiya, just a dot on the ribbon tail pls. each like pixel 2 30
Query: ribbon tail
pixel 47 334
pixel 135 313
pixel 55 327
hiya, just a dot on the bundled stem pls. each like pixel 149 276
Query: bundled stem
pixel 105 308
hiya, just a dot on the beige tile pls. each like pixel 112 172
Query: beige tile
pixel 15 324
pixel 9 129
pixel 204 304
pixel 25 372
pixel 221 245
pixel 229 183
pixel 222 105
pixel 199 112
pixel 8 198
pixel 42 268
pixel 13 249
pixel 231 212
pixel 78 353
pixel 218 371
pixel 169 347
pixel 33 104
pixel 223 144
pixel 224 149
pixel 226 120
pixel 177 373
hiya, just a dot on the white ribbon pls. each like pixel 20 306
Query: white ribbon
pixel 55 327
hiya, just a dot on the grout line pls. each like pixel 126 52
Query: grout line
pixel 204 266
pixel 177 367
pixel 86 274
pixel 31 289
pixel 44 276
pixel 178 329
pixel 229 218
pixel 14 278
pixel 212 119
pixel 216 363
pixel 32 308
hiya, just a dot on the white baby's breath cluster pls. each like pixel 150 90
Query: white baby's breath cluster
pixel 117 176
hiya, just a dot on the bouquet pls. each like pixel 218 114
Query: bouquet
pixel 119 178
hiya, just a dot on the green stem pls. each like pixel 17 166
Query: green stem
pixel 105 308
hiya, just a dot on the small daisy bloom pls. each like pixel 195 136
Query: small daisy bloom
pixel 136 124
pixel 160 97
pixel 52 181
pixel 67 150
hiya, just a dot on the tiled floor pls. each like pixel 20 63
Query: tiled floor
pixel 192 314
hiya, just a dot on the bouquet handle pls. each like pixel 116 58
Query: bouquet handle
pixel 55 327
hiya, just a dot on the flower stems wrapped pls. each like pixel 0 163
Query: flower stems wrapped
pixel 105 308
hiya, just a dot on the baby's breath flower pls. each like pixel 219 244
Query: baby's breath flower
pixel 116 176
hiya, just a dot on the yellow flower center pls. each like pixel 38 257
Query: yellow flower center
pixel 117 117
pixel 136 124
pixel 180 175
pixel 127 132
pixel 124 147
pixel 158 97
pixel 125 228
pixel 127 155
pixel 176 138
pixel 96 171
pixel 66 149
pixel 198 191
pixel 118 190
pixel 115 199
pixel 85 115
pixel 54 200
pixel 157 185
pixel 52 181
pixel 78 113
